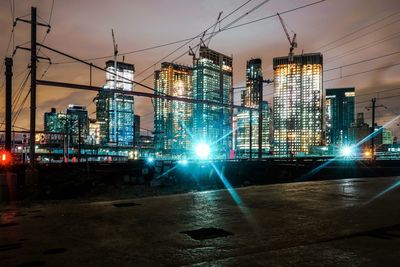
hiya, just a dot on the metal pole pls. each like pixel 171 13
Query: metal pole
pixel 33 88
pixel 260 116
pixel 251 135
pixel 79 138
pixel 373 127
pixel 9 74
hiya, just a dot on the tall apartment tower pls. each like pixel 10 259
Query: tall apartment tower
pixel 297 104
pixel 339 115
pixel 173 119
pixel 115 112
pixel 212 80
pixel 247 121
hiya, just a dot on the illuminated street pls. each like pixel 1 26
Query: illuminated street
pixel 353 222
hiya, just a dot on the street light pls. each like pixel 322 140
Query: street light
pixel 347 151
pixel 202 150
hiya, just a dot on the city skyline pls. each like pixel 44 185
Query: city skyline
pixel 269 41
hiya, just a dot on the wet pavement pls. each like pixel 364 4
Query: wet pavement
pixel 353 222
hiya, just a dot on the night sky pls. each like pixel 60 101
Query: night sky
pixel 83 29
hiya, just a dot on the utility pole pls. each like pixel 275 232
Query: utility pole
pixel 33 88
pixel 79 138
pixel 251 135
pixel 373 108
pixel 9 74
pixel 373 100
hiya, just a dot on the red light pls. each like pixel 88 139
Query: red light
pixel 5 157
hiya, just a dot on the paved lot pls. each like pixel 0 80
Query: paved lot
pixel 311 224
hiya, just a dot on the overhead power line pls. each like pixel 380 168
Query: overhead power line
pixel 186 39
pixel 195 37
pixel 362 61
pixel 358 30
pixel 362 72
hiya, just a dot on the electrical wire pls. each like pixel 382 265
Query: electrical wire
pixel 362 72
pixel 193 38
pixel 363 47
pixel 356 31
pixel 362 61
pixel 186 39
pixel 224 28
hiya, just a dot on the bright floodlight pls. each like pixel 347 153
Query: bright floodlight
pixel 183 161
pixel 346 151
pixel 202 150
pixel 150 160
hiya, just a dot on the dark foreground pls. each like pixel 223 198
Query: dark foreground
pixel 337 222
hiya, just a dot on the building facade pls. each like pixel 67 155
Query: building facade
pixel 246 145
pixel 297 104
pixel 339 115
pixel 136 130
pixel 115 111
pixel 173 119
pixel 212 81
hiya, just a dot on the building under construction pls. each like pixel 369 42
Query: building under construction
pixel 173 119
pixel 247 120
pixel 115 112
pixel 212 81
pixel 297 103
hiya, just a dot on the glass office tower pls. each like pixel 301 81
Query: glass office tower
pixel 247 121
pixel 173 119
pixel 212 81
pixel 339 115
pixel 297 104
pixel 115 112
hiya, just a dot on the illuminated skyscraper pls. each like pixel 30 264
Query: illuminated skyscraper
pixel 115 112
pixel 212 81
pixel 173 119
pixel 297 103
pixel 339 115
pixel 247 122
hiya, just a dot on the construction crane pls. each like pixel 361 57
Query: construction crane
pixel 115 46
pixel 292 42
pixel 202 43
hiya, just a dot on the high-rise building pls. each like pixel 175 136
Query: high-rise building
pixel 115 111
pixel 94 132
pixel 173 119
pixel 54 122
pixel 212 81
pixel 136 130
pixel 82 115
pixel 297 104
pixel 339 115
pixel 247 121
pixel 62 123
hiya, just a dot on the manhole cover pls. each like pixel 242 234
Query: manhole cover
pixel 32 264
pixel 55 251
pixel 128 204
pixel 8 224
pixel 207 233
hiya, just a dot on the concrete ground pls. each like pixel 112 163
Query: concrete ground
pixel 352 222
